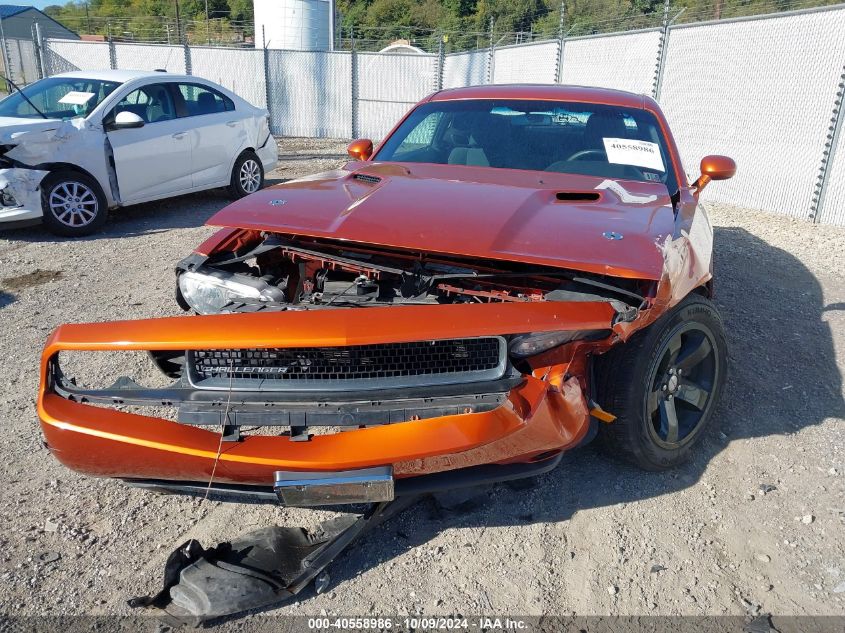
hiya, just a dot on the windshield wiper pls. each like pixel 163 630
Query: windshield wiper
pixel 15 86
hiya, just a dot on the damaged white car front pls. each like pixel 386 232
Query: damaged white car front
pixel 75 145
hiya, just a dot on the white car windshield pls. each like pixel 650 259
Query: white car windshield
pixel 58 98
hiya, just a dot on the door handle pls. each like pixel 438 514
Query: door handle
pixel 179 135
pixel 231 123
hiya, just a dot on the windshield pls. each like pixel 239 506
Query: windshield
pixel 58 98
pixel 555 136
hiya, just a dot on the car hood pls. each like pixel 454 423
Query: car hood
pixel 580 222
pixel 11 127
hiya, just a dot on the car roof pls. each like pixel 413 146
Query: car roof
pixel 119 75
pixel 543 92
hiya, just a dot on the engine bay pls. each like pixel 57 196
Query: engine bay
pixel 283 273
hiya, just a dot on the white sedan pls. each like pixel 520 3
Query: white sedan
pixel 75 145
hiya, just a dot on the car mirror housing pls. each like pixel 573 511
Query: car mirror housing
pixel 715 167
pixel 361 149
pixel 127 120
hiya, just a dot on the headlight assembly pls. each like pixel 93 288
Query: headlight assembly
pixel 210 291
pixel 525 345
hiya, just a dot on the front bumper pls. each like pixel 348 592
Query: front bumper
pixel 23 186
pixel 546 413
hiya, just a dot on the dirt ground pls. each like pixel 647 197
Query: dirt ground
pixel 754 524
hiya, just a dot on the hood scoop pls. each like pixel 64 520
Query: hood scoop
pixel 577 196
pixel 373 180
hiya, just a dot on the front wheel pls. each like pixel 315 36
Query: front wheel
pixel 73 203
pixel 663 385
pixel 247 175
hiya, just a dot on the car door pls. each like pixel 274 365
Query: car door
pixel 154 160
pixel 216 131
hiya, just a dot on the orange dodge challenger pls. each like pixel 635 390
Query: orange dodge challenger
pixel 512 271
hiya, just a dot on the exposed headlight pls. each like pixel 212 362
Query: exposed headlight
pixel 526 345
pixel 210 291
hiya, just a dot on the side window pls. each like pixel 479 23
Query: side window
pixel 201 100
pixel 152 103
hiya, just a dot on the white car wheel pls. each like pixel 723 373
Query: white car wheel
pixel 72 203
pixel 247 175
pixel 250 175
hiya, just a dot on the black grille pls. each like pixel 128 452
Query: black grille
pixel 389 362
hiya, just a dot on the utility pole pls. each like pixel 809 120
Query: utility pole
pixel 178 24
pixel 87 17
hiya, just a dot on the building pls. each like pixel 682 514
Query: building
pixel 17 23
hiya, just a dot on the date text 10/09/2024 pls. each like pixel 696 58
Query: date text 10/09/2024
pixel 417 623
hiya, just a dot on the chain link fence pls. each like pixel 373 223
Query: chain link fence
pixel 151 57
pixel 310 93
pixel 762 91
pixel 627 61
pixel 766 90
pixel 62 56
pixel 465 69
pixel 526 63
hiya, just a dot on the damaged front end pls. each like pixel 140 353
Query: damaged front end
pixel 343 374
pixel 20 196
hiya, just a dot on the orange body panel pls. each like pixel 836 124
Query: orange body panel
pixel 538 417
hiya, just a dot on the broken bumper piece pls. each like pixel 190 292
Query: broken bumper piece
pixel 20 196
pixel 518 419
pixel 259 569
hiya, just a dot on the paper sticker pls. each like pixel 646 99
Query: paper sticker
pixel 76 98
pixel 624 151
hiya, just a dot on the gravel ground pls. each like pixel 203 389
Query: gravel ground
pixel 753 524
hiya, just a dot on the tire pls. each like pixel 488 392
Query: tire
pixel 658 416
pixel 73 203
pixel 247 175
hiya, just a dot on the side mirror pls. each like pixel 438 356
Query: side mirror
pixel 715 167
pixel 126 120
pixel 361 149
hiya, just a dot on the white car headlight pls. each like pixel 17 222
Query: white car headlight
pixel 210 291
pixel 526 345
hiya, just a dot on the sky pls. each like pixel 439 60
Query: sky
pixel 39 4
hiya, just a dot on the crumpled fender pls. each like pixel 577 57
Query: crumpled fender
pixel 75 142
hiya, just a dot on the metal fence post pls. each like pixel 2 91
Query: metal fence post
pixel 354 89
pixel 560 42
pixel 441 62
pixel 268 93
pixel 187 50
pixel 661 52
pixel 491 57
pixel 38 46
pixel 112 50
pixel 829 151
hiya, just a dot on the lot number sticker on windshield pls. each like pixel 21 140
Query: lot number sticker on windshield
pixel 625 151
pixel 76 98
